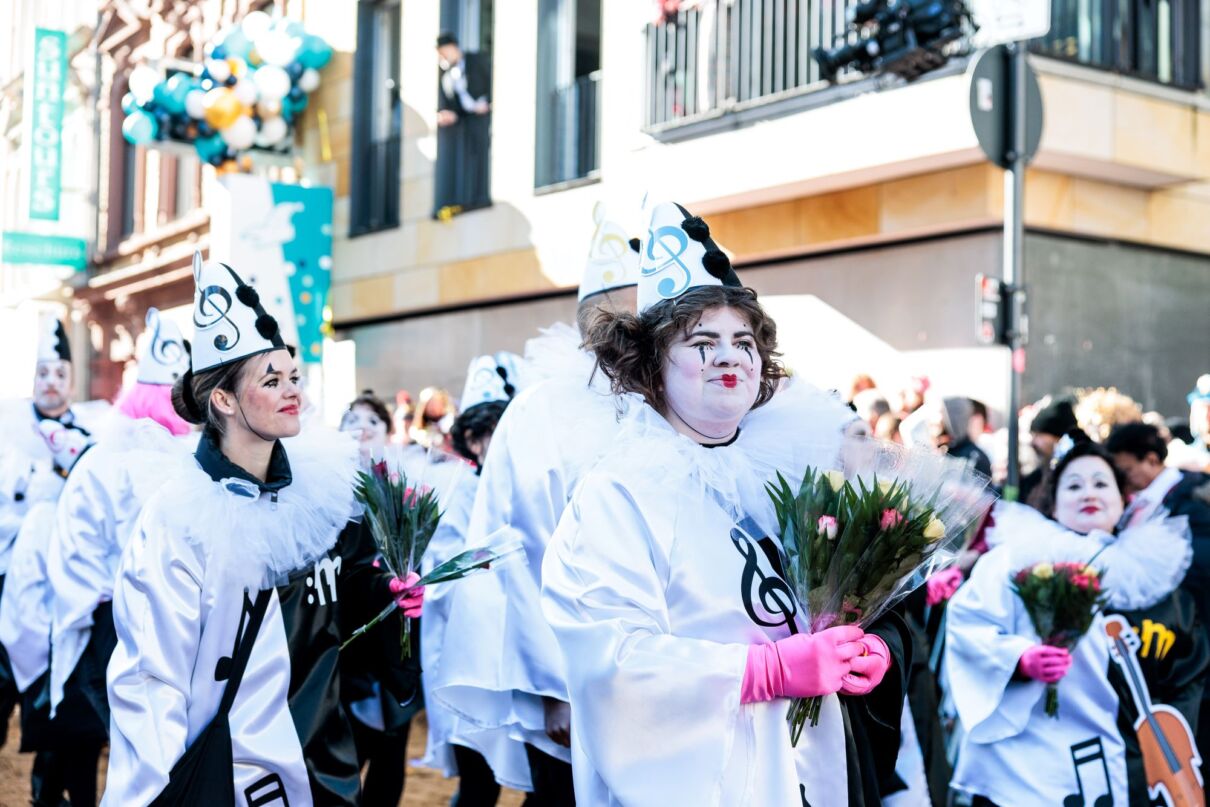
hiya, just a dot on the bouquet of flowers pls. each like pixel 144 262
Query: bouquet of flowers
pixel 857 543
pixel 402 520
pixel 1061 600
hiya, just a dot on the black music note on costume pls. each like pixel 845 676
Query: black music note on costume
pixel 668 287
pixel 771 591
pixel 222 669
pixel 269 796
pixel 168 352
pixel 222 341
pixel 1082 755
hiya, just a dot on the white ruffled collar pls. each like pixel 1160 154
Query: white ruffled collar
pixel 1140 565
pixel 256 541
pixel 800 426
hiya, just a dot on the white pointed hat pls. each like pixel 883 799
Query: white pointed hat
pixel 65 443
pixel 677 254
pixel 52 340
pixel 228 319
pixel 491 378
pixel 165 354
pixel 613 259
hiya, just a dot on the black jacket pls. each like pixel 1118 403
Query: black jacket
pixel 478 68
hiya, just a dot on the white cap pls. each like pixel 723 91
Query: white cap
pixel 52 340
pixel 229 321
pixel 164 357
pixel 677 255
pixel 613 259
pixel 491 378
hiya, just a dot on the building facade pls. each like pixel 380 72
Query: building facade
pixel 861 210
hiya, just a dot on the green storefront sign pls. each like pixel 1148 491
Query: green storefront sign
pixel 46 123
pixel 53 250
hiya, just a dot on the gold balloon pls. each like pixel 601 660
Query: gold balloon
pixel 223 107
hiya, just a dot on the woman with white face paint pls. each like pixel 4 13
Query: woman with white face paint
pixel 681 637
pixel 369 422
pixel 1013 753
pixel 240 579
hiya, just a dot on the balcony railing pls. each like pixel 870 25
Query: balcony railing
pixel 723 53
pixel 720 56
pixel 1157 40
pixel 572 150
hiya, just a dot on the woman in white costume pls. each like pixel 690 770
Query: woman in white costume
pixel 1013 753
pixel 232 588
pixel 680 635
pixel 455 747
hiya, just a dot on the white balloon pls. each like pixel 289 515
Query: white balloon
pixel 195 104
pixel 246 92
pixel 241 134
pixel 272 81
pixel 143 80
pixel 268 109
pixel 256 23
pixel 218 69
pixel 276 47
pixel 272 131
pixel 309 80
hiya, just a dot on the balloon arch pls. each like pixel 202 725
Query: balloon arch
pixel 249 92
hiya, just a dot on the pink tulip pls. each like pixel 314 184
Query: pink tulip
pixel 828 526
pixel 891 518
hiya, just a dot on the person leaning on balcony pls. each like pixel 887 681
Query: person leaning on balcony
pixel 464 127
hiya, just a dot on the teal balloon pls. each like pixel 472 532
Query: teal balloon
pixel 236 43
pixel 294 106
pixel 129 104
pixel 314 52
pixel 209 147
pixel 170 94
pixel 140 128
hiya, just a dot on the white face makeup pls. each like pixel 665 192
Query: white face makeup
pixel 52 387
pixel 712 376
pixel 369 429
pixel 270 397
pixel 1087 497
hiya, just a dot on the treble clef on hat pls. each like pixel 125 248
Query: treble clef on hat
pixel 212 308
pixel 166 347
pixel 665 246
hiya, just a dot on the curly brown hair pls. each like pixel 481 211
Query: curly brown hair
pixel 630 349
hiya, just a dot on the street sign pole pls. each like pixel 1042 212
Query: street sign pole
pixel 1014 256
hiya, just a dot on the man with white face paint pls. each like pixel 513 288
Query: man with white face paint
pixel 501 671
pixel 25 457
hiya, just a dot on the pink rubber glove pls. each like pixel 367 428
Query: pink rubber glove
pixel 800 666
pixel 943 585
pixel 867 669
pixel 1044 663
pixel 408 595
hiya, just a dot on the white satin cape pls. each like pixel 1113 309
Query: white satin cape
pixel 500 657
pixel 643 587
pixel 178 600
pixel 1013 752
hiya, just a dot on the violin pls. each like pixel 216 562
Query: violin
pixel 1170 758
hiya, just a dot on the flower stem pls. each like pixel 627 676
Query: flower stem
pixel 1052 700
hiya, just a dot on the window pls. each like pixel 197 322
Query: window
pixel 569 73
pixel 463 172
pixel 1151 39
pixel 130 189
pixel 377 119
